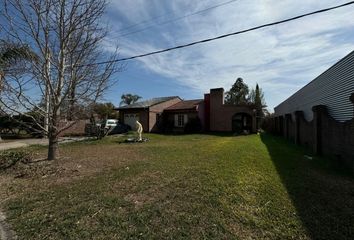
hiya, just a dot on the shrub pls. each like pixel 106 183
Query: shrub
pixel 193 126
pixel 11 157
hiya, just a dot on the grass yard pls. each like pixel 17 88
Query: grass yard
pixel 180 187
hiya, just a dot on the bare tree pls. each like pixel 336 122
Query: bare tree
pixel 68 37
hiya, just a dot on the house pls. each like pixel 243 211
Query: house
pixel 148 112
pixel 171 114
pixel 177 116
pixel 221 117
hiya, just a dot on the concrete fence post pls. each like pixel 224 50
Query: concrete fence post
pixel 318 113
pixel 298 115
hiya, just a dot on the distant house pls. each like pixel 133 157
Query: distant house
pixel 148 112
pixel 176 115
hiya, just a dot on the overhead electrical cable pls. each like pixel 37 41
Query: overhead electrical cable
pixel 220 36
pixel 226 35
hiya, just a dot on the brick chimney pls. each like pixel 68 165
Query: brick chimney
pixel 216 96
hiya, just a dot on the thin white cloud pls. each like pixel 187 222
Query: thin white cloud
pixel 281 59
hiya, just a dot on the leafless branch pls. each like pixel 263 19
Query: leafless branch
pixel 67 36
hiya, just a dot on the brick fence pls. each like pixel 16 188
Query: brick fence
pixel 76 129
pixel 323 135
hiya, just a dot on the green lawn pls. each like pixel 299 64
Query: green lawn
pixel 181 187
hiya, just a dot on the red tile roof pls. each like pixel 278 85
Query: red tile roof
pixel 185 105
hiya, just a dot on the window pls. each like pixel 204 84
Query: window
pixel 180 120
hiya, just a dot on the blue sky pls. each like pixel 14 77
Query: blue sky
pixel 280 59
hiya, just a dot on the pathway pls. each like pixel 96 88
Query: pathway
pixel 36 141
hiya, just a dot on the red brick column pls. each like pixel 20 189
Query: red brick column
pixel 287 125
pixel 281 126
pixel 298 115
pixel 273 125
pixel 318 112
pixel 351 98
pixel 277 125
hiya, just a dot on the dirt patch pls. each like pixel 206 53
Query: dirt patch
pixel 76 162
pixel 143 189
pixel 5 231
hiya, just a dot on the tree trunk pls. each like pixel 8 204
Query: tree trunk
pixel 53 148
pixel 53 139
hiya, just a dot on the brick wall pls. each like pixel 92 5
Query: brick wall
pixel 305 136
pixel 76 129
pixel 158 109
pixel 323 135
pixel 169 120
pixel 337 139
pixel 221 114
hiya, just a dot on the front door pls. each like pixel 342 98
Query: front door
pixel 241 122
pixel 237 123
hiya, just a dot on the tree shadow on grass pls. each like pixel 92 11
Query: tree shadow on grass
pixel 322 196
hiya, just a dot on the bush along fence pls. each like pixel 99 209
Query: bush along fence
pixel 323 135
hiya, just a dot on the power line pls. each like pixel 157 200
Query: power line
pixel 225 35
pixel 219 37
pixel 172 20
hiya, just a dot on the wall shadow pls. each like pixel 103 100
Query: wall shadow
pixel 322 196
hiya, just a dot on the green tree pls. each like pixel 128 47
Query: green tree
pixel 105 110
pixel 129 98
pixel 10 55
pixel 257 98
pixel 238 94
